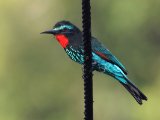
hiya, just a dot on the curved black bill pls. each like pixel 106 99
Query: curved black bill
pixel 49 32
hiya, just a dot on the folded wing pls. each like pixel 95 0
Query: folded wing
pixel 104 53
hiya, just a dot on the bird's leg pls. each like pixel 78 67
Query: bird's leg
pixel 93 65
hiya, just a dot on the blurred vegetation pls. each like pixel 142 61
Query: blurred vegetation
pixel 39 82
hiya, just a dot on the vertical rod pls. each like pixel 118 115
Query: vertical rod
pixel 87 68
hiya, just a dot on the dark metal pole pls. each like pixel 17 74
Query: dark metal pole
pixel 87 70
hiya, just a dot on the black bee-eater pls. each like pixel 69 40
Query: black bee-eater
pixel 70 38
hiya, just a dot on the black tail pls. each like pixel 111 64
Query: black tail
pixel 135 92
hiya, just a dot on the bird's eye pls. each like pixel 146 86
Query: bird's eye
pixel 64 29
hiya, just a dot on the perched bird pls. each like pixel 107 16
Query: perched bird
pixel 70 38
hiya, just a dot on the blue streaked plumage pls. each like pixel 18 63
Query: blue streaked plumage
pixel 101 64
pixel 70 37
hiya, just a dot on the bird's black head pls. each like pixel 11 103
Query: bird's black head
pixel 66 33
pixel 64 28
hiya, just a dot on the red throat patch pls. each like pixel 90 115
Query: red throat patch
pixel 63 40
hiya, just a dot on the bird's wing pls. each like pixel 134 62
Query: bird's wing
pixel 104 53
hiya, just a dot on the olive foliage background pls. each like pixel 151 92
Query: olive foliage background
pixel 39 82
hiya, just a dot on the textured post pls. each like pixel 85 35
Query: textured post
pixel 87 70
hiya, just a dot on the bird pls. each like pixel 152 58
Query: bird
pixel 70 38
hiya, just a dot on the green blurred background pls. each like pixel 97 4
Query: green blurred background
pixel 39 82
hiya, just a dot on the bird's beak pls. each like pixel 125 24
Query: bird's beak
pixel 49 32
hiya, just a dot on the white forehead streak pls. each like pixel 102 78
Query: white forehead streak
pixel 62 27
